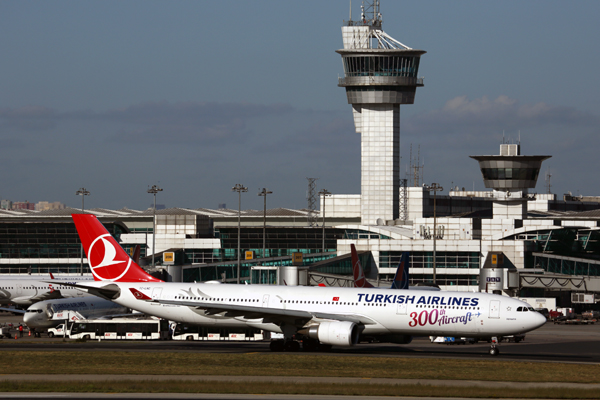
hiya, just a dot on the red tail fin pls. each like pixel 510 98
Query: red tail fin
pixel 359 274
pixel 107 259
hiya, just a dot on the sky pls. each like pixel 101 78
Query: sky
pixel 198 96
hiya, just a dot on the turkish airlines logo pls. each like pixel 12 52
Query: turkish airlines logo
pixel 336 299
pixel 359 275
pixel 104 262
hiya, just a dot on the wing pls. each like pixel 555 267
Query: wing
pixel 49 295
pixel 276 316
pixel 109 291
pixel 13 310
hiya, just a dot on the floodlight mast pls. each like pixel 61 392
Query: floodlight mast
pixel 264 192
pixel 324 193
pixel 153 190
pixel 240 189
pixel 82 192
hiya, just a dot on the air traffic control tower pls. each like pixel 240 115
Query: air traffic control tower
pixel 380 74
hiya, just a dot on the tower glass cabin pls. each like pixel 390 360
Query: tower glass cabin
pixel 380 73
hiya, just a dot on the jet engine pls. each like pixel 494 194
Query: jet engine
pixel 339 333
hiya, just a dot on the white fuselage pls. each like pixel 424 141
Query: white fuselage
pixel 25 292
pixel 46 314
pixel 388 311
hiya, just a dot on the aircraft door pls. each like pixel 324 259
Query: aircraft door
pixel 401 309
pixel 19 289
pixel 265 301
pixel 494 309
pixel 157 293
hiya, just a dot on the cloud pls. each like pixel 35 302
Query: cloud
pixel 153 122
pixel 484 116
pixel 28 118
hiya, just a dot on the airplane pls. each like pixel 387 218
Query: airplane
pixel 46 314
pixel 27 291
pixel 320 315
pixel 401 278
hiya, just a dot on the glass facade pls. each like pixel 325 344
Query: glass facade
pixel 355 234
pixel 43 240
pixel 444 261
pixel 280 242
pixel 520 174
pixel 424 259
pixel 228 269
pixel 568 267
pixel 375 65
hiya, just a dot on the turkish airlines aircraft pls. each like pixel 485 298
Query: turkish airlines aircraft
pixel 46 314
pixel 27 291
pixel 401 278
pixel 327 315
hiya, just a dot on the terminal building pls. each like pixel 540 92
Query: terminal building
pixel 508 238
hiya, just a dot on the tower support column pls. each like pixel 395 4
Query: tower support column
pixel 380 162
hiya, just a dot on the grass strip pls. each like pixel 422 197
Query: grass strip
pixel 149 386
pixel 285 364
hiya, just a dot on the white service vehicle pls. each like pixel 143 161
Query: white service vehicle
pixel 114 329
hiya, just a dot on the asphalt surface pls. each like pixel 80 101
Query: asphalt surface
pixel 551 343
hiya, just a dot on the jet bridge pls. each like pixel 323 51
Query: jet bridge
pixel 573 283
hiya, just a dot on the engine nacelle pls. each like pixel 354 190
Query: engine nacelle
pixel 338 333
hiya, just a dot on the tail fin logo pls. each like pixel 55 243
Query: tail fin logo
pixel 358 271
pixel 103 260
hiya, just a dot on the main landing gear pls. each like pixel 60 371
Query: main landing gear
pixel 494 350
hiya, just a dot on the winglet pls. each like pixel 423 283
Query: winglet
pixel 359 275
pixel 139 295
pixel 402 276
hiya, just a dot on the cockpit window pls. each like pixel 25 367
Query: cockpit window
pixel 531 309
pixel 520 309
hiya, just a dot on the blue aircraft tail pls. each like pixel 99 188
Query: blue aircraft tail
pixel 402 276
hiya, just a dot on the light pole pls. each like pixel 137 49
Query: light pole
pixel 154 189
pixel 240 189
pixel 436 188
pixel 324 193
pixel 82 192
pixel 264 193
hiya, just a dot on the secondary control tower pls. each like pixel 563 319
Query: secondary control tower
pixel 380 73
pixel 511 175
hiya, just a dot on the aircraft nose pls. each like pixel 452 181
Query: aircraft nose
pixel 27 318
pixel 538 320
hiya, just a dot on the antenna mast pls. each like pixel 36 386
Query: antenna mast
pixel 312 201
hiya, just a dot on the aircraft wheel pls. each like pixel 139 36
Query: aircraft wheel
pixel 494 351
pixel 276 345
pixel 310 345
pixel 324 347
pixel 50 334
pixel 292 345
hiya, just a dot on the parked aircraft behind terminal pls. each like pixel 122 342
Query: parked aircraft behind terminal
pixel 401 279
pixel 27 291
pixel 329 315
pixel 46 314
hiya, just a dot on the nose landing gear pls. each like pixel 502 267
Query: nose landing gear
pixel 494 350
